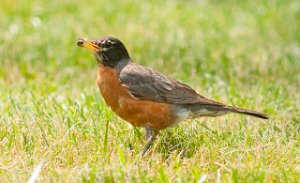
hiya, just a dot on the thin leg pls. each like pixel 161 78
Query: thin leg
pixel 150 141
pixel 149 133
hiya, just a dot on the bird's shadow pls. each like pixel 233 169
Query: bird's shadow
pixel 184 141
pixel 170 143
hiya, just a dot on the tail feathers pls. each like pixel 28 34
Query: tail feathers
pixel 247 112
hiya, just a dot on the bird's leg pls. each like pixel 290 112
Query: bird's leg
pixel 149 133
pixel 150 141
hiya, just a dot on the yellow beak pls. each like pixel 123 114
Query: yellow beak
pixel 87 44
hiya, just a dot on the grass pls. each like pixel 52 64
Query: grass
pixel 243 53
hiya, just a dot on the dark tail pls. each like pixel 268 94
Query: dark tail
pixel 247 112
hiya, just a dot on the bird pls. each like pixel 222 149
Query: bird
pixel 147 98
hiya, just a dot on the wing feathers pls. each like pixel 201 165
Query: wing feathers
pixel 146 84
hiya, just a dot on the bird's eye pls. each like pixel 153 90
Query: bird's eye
pixel 108 44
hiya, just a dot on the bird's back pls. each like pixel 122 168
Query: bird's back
pixel 146 84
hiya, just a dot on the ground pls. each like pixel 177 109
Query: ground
pixel 242 53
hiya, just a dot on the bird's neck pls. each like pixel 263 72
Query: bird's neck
pixel 119 65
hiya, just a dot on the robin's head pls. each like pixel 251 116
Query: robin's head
pixel 108 51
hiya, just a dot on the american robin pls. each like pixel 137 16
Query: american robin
pixel 147 98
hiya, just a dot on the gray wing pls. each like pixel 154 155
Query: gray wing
pixel 146 84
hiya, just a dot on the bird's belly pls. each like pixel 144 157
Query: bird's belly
pixel 181 113
pixel 138 112
pixel 145 113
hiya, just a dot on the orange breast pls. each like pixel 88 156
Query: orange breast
pixel 143 113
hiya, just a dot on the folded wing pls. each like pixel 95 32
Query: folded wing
pixel 146 84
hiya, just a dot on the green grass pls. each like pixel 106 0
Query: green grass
pixel 243 53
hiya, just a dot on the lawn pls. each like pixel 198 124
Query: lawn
pixel 242 53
